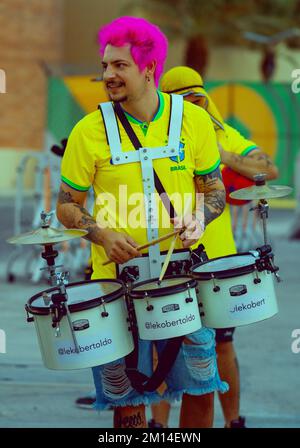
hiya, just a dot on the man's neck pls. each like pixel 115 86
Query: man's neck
pixel 144 108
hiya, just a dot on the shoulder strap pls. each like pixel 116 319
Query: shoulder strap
pixel 137 145
pixel 111 126
pixel 176 117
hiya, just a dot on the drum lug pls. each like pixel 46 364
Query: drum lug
pixel 149 307
pixel 256 279
pixel 189 299
pixel 202 314
pixel 104 313
pixel 29 319
pixel 216 288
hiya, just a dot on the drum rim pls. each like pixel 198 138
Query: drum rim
pixel 92 303
pixel 162 291
pixel 223 274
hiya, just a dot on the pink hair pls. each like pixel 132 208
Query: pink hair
pixel 147 42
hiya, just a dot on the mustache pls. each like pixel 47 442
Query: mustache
pixel 114 84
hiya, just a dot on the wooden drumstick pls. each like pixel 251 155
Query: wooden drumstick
pixel 151 243
pixel 167 259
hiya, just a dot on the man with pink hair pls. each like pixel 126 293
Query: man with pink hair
pixel 104 153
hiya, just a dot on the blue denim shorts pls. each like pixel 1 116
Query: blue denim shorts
pixel 194 372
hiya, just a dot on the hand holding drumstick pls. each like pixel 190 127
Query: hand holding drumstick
pixel 191 228
pixel 144 246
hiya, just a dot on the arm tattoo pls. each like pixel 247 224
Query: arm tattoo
pixel 214 194
pixel 65 197
pixel 261 157
pixel 250 164
pixel 77 216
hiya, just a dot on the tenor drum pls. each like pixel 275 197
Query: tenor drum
pixel 232 291
pixel 166 310
pixel 98 314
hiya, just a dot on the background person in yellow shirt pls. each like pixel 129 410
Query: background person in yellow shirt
pixel 134 52
pixel 244 157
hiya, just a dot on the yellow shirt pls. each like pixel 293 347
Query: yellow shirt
pixel 87 162
pixel 218 238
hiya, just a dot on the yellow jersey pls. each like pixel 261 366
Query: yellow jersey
pixel 87 163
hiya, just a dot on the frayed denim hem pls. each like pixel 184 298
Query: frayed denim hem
pixel 176 395
pixel 141 399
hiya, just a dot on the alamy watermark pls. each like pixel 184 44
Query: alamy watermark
pixel 296 343
pixel 296 83
pixel 128 210
pixel 2 341
pixel 2 81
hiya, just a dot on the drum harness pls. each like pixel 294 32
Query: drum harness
pixel 152 263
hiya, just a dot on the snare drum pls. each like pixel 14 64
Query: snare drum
pixel 99 318
pixel 232 292
pixel 167 310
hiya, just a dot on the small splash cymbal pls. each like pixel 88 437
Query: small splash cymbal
pixel 47 235
pixel 261 192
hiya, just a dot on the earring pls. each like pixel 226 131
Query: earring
pixel 148 78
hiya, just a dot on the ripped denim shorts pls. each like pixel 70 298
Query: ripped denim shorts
pixel 194 372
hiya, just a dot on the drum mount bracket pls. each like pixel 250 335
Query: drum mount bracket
pixel 57 308
pixel 266 260
pixel 129 274
pixel 178 267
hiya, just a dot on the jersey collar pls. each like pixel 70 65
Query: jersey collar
pixel 157 114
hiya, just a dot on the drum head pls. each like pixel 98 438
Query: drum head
pixel 169 285
pixel 225 267
pixel 81 295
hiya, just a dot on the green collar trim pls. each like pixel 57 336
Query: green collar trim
pixel 158 114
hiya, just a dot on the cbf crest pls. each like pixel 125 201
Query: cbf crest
pixel 181 154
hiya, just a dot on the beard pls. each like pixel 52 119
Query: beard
pixel 122 99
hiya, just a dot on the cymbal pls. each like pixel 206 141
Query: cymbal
pixel 261 192
pixel 47 235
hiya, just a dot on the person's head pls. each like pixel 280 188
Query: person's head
pixel 187 82
pixel 133 52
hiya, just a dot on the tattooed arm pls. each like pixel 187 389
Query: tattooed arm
pixel 212 187
pixel 193 225
pixel 254 163
pixel 71 213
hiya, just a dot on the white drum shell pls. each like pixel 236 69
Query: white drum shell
pixel 157 324
pixel 106 339
pixel 222 310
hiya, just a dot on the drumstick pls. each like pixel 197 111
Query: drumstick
pixel 170 251
pixel 151 243
pixel 167 259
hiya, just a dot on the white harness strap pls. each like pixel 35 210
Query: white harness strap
pixel 145 156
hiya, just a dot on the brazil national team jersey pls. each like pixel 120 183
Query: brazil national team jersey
pixel 117 188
